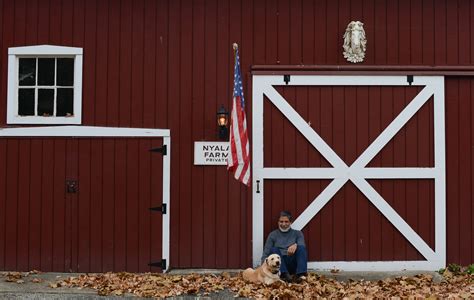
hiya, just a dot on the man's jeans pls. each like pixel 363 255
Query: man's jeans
pixel 293 264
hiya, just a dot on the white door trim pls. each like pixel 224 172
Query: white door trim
pixel 92 131
pixel 358 173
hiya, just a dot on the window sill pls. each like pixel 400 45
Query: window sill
pixel 44 120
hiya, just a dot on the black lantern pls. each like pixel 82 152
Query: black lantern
pixel 222 120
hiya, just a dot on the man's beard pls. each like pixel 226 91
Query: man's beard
pixel 284 230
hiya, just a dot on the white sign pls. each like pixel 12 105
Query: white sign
pixel 211 153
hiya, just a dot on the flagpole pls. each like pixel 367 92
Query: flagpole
pixel 235 46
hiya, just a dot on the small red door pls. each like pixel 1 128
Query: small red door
pixel 80 205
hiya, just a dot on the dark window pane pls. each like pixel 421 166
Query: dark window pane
pixel 65 103
pixel 45 102
pixel 65 72
pixel 27 71
pixel 26 102
pixel 46 71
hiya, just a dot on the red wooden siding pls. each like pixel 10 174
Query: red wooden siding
pixel 168 64
pixel 105 226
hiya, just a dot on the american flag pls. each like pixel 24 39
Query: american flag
pixel 239 159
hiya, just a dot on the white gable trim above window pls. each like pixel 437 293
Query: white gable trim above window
pixel 55 102
pixel 45 50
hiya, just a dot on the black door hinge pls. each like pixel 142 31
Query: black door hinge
pixel 160 264
pixel 161 208
pixel 286 79
pixel 410 79
pixel 163 150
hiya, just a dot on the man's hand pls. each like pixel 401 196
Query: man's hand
pixel 292 249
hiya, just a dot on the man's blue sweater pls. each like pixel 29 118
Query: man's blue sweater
pixel 282 240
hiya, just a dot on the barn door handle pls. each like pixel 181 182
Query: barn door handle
pixel 258 186
pixel 71 186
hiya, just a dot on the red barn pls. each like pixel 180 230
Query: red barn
pixel 102 102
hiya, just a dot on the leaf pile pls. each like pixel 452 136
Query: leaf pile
pixel 19 277
pixel 16 277
pixel 315 286
pixel 147 285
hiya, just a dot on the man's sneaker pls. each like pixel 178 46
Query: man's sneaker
pixel 299 278
pixel 286 277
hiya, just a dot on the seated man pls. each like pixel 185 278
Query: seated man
pixel 289 244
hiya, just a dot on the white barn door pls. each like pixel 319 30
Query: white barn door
pixel 432 87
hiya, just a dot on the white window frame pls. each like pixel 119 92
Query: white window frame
pixel 14 54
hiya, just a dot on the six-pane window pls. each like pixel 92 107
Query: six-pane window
pixel 46 86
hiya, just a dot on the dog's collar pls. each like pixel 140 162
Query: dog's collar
pixel 275 272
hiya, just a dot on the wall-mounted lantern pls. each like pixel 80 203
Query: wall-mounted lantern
pixel 222 121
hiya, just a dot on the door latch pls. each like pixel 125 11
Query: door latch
pixel 72 186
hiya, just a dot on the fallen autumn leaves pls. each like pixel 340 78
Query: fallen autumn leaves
pixel 158 285
pixel 18 277
pixel 453 285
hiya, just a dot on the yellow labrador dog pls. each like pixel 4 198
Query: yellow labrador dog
pixel 267 273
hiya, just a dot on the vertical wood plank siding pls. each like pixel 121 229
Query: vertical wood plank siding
pixel 105 226
pixel 168 64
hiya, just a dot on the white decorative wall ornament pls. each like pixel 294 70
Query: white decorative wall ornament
pixel 354 42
